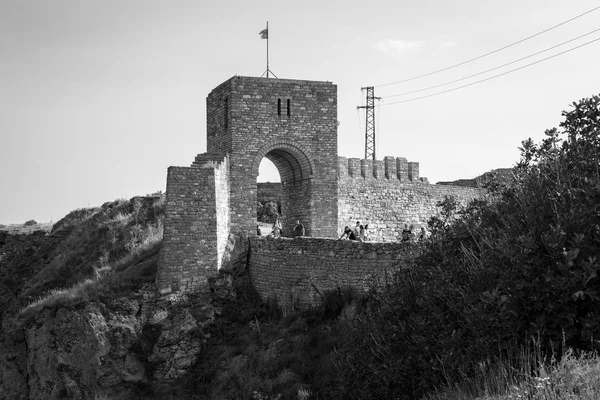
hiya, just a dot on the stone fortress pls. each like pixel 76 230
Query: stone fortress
pixel 293 123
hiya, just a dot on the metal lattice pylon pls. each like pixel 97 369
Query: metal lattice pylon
pixel 370 122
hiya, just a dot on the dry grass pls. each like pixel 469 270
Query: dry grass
pixel 573 377
pixel 107 249
pixel 16 229
pixel 122 217
pixel 56 296
pixel 149 238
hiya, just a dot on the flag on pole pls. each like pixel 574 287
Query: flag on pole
pixel 264 34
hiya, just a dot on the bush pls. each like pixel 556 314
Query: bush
pixel 521 264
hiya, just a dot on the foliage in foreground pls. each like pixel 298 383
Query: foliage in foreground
pixel 258 353
pixel 518 267
pixel 573 377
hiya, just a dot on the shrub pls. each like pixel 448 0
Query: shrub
pixel 521 264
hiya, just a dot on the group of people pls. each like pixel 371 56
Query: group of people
pixel 409 236
pixel 277 227
pixel 358 233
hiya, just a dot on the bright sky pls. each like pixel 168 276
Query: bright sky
pixel 98 98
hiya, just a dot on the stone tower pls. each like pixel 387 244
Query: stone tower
pixel 292 123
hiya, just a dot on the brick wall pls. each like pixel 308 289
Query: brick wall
pixel 296 270
pixel 221 173
pixel 196 226
pixel 388 195
pixel 292 123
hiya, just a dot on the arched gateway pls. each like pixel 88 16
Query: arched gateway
pixel 296 171
pixel 292 123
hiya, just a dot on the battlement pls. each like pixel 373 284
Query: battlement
pixel 293 124
pixel 390 169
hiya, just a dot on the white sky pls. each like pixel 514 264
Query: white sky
pixel 98 98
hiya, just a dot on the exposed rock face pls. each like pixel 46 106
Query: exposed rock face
pixel 13 366
pixel 117 348
pixel 65 344
pixel 178 346
pixel 104 349
pixel 75 354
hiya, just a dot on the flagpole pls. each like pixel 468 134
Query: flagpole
pixel 264 34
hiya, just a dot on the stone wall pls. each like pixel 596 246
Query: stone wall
pixel 292 123
pixel 221 173
pixel 298 271
pixel 389 194
pixel 196 225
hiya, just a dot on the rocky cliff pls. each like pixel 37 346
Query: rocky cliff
pixel 81 318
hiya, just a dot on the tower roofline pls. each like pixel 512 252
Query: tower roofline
pixel 274 80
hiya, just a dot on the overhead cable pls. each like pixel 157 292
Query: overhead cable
pixel 491 69
pixel 489 53
pixel 492 77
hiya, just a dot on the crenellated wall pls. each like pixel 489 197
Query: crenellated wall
pixel 297 271
pixel 292 123
pixel 389 194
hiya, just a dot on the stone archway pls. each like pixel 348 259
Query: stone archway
pixel 293 123
pixel 296 170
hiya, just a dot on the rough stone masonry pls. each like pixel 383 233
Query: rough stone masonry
pixel 293 123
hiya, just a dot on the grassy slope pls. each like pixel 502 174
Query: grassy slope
pixel 89 252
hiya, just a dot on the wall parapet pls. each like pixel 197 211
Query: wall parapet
pixel 390 168
pixel 298 271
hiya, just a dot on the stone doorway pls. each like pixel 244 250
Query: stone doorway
pixel 295 190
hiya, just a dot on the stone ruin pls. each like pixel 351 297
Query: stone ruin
pixel 293 123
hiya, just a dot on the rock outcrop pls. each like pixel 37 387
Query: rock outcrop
pixel 132 346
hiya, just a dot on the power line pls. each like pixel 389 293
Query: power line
pixel 492 77
pixel 490 53
pixel 491 69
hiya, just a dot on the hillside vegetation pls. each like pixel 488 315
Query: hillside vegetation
pixel 86 252
pixel 503 302
pixel 512 276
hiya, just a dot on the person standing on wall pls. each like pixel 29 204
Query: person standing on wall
pixel 277 228
pixel 298 229
pixel 357 229
pixel 406 234
pixel 363 232
pixel 423 234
